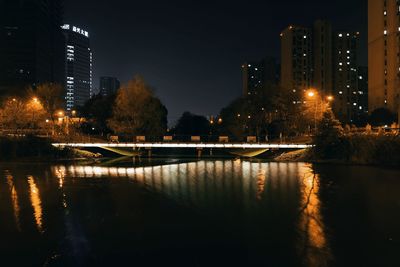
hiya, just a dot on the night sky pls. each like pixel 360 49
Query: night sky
pixel 191 52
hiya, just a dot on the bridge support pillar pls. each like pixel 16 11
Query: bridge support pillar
pixel 149 152
pixel 199 152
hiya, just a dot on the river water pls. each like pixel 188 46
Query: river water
pixel 201 213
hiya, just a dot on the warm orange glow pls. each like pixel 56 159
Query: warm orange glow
pixel 261 177
pixel 36 203
pixel 14 200
pixel 219 120
pixel 311 93
pixel 329 98
pixel 311 222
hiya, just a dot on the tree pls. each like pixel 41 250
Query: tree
pixel 51 98
pixel 14 114
pixel 95 113
pixel 191 124
pixel 137 111
pixel 328 137
pixel 270 110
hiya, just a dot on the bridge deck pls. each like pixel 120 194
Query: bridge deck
pixel 187 145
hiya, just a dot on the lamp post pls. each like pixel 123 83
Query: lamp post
pixel 311 94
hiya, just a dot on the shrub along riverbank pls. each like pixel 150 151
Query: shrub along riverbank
pixel 332 144
pixel 358 149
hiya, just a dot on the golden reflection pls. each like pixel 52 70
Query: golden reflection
pixel 313 244
pixel 14 200
pixel 261 177
pixel 60 174
pixel 36 203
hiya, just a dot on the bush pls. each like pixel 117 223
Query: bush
pixel 328 139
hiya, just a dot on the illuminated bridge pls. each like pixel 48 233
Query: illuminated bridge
pixel 186 145
pixel 241 149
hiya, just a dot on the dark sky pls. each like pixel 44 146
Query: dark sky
pixel 190 52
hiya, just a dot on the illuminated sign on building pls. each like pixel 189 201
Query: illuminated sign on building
pixel 75 29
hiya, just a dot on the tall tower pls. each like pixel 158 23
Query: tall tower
pixel 345 76
pixel 384 54
pixel 296 60
pixel 109 86
pixel 258 75
pixel 31 44
pixel 322 57
pixel 79 60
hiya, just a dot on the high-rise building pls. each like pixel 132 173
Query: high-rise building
pixel 296 60
pixel 363 91
pixel 322 57
pixel 345 76
pixel 31 44
pixel 108 86
pixel 384 54
pixel 78 66
pixel 258 74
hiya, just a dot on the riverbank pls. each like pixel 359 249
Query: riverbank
pixel 354 150
pixel 37 149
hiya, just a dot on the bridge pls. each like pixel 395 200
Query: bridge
pixel 238 149
pixel 186 145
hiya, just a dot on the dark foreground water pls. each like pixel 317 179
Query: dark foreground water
pixel 205 213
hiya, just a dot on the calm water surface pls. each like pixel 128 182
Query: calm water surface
pixel 203 213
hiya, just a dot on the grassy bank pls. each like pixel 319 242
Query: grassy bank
pixel 360 149
pixel 354 149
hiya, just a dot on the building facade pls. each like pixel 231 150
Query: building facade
pixel 296 61
pixel 109 86
pixel 79 62
pixel 345 77
pixel 257 75
pixel 322 57
pixel 384 54
pixel 363 91
pixel 31 44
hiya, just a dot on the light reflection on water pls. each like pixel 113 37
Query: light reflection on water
pixel 262 209
pixel 14 200
pixel 36 203
pixel 199 182
pixel 312 244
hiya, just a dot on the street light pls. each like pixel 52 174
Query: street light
pixel 312 94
